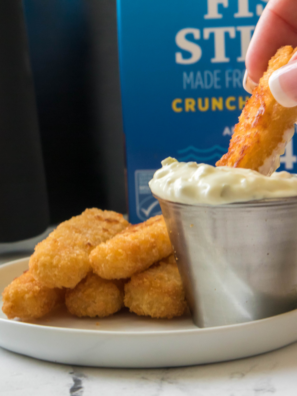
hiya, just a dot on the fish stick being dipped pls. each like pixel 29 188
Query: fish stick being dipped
pixel 62 259
pixel 26 298
pixel 95 296
pixel 157 292
pixel 133 250
pixel 265 127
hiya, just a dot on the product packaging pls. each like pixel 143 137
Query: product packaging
pixel 181 69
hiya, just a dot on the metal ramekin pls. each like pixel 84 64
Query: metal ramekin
pixel 238 262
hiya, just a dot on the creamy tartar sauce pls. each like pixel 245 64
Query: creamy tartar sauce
pixel 192 183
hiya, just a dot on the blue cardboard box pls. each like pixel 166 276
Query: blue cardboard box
pixel 181 70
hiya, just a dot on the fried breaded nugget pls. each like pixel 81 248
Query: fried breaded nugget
pixel 62 259
pixel 133 250
pixel 95 296
pixel 26 298
pixel 264 128
pixel 157 292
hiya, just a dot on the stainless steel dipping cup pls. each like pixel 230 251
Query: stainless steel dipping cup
pixel 238 262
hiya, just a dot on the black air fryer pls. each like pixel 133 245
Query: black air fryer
pixel 23 198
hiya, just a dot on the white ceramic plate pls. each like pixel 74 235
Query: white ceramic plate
pixel 126 340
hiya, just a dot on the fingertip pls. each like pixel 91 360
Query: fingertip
pixel 283 86
pixel 294 58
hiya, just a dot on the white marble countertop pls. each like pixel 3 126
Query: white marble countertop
pixel 273 373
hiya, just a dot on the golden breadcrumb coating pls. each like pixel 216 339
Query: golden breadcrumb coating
pixel 133 250
pixel 95 296
pixel 62 259
pixel 259 138
pixel 157 292
pixel 26 298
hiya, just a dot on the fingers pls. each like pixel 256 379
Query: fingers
pixel 277 27
pixel 283 84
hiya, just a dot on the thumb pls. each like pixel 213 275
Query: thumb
pixel 283 84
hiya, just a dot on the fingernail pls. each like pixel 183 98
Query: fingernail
pixel 294 57
pixel 248 83
pixel 283 84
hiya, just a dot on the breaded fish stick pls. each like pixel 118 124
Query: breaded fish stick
pixel 264 128
pixel 26 298
pixel 133 250
pixel 62 259
pixel 157 292
pixel 95 296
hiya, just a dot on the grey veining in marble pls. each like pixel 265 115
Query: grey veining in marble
pixel 273 373
pixel 77 389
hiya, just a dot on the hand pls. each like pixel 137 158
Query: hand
pixel 277 27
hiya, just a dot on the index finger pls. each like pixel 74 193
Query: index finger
pixel 277 27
